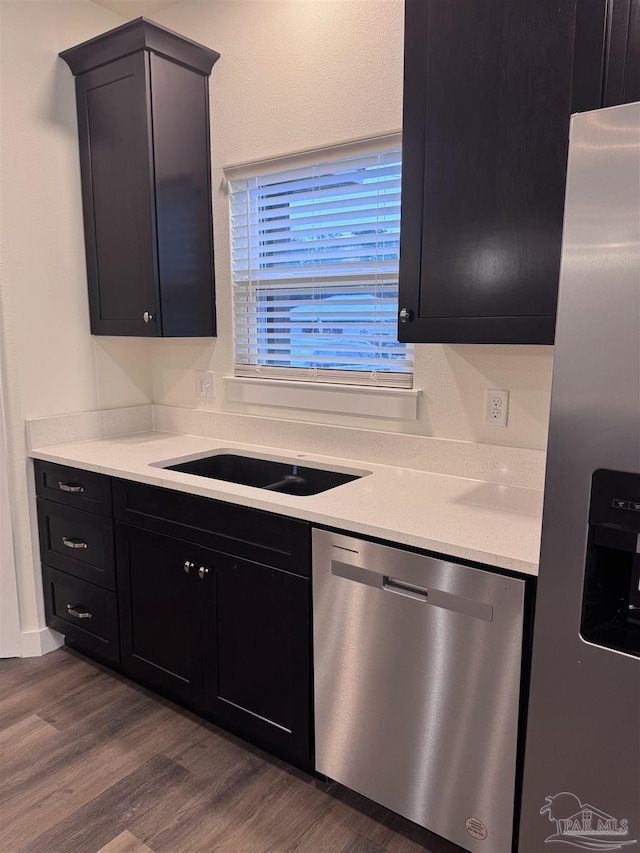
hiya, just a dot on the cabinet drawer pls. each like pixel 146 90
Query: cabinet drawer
pixel 259 536
pixel 77 542
pixel 82 489
pixel 84 613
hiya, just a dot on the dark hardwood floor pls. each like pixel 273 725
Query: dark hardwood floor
pixel 91 763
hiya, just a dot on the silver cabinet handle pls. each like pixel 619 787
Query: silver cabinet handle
pixel 70 487
pixel 406 315
pixel 203 571
pixel 74 543
pixel 148 317
pixel 188 565
pixel 78 611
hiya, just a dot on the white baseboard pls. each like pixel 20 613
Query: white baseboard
pixel 34 644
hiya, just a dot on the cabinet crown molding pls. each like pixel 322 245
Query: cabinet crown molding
pixel 139 34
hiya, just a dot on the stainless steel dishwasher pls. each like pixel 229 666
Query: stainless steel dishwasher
pixel 417 679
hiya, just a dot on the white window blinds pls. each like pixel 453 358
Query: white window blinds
pixel 315 272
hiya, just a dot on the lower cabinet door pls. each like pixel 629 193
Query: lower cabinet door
pixel 160 595
pixel 256 630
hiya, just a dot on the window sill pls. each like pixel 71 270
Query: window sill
pixel 370 401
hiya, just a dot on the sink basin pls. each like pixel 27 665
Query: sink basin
pixel 271 474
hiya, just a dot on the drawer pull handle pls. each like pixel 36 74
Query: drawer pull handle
pixel 74 543
pixel 70 487
pixel 188 565
pixel 203 571
pixel 78 611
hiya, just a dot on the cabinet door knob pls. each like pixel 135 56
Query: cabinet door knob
pixel 203 571
pixel 74 543
pixel 406 315
pixel 188 565
pixel 78 611
pixel 147 317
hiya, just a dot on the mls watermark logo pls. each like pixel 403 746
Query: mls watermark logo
pixel 582 825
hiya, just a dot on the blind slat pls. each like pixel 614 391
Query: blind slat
pixel 295 243
pixel 379 204
pixel 319 271
pixel 368 174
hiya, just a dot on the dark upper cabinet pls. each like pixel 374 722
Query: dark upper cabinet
pixel 489 90
pixel 143 124
pixel 622 68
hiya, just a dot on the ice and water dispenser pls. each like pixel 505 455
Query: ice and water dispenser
pixel 611 598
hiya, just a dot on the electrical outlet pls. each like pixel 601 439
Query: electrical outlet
pixel 496 407
pixel 204 383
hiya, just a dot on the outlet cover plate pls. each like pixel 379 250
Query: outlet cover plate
pixel 496 407
pixel 205 384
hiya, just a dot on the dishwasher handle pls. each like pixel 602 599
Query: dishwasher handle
pixel 435 597
pixel 375 579
pixel 402 588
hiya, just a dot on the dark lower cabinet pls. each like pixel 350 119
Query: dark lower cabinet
pixel 160 599
pixel 257 654
pixel 222 630
pixel 85 613
pixel 489 89
pixel 226 636
pixel 79 543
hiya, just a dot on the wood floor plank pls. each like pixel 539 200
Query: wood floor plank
pixel 86 764
pixel 91 697
pixel 125 843
pixel 27 733
pixel 93 825
pixel 40 688
pixel 115 723
pixel 360 844
pixel 95 764
pixel 196 811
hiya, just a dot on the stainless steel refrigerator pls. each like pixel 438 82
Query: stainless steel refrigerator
pixel 581 787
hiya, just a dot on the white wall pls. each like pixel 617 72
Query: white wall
pixel 10 645
pixel 50 362
pixel 297 74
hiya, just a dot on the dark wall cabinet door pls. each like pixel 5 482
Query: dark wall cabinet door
pixel 257 654
pixel 113 111
pixel 489 90
pixel 143 123
pixel 160 612
pixel 622 70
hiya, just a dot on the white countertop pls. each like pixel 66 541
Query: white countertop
pixel 471 519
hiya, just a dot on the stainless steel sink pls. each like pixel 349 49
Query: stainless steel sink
pixel 277 475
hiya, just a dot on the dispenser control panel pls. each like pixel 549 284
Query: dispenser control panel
pixel 622 504
pixel 615 500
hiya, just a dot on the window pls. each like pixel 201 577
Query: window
pixel 315 253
